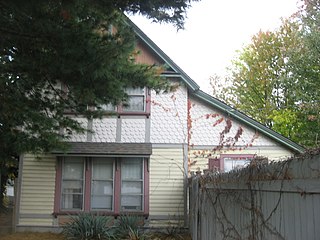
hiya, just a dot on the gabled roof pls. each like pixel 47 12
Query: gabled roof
pixel 195 91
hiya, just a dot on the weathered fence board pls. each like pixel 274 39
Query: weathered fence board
pixel 277 201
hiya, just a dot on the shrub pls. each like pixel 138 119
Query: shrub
pixel 128 227
pixel 87 226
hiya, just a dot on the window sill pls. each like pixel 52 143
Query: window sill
pixel 100 213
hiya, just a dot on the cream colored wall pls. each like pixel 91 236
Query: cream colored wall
pixel 37 191
pixel 38 185
pixel 166 182
pixel 199 157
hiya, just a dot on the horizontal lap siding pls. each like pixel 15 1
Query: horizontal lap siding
pixel 37 190
pixel 199 158
pixel 166 182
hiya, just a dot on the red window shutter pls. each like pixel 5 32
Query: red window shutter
pixel 214 164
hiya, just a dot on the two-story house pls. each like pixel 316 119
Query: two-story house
pixel 138 159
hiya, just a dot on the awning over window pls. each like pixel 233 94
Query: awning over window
pixel 98 148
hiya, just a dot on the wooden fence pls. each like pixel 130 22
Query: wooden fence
pixel 274 201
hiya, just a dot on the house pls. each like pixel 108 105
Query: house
pixel 138 160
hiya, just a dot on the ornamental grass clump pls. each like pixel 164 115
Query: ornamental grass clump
pixel 87 226
pixel 128 227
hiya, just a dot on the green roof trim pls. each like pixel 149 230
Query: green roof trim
pixel 194 90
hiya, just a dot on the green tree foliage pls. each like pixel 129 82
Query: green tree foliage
pixel 275 79
pixel 58 56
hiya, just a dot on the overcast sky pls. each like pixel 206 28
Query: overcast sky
pixel 214 30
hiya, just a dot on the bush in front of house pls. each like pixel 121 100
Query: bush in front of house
pixel 128 227
pixel 86 226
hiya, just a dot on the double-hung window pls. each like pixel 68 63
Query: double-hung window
pixel 102 184
pixel 131 184
pixel 138 102
pixel 72 184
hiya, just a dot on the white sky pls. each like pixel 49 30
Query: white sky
pixel 214 30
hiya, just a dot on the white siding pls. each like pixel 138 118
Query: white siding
pixel 83 136
pixel 166 182
pixel 104 130
pixel 37 190
pixel 133 130
pixel 169 116
pixel 207 124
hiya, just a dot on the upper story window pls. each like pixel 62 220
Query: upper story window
pixel 136 100
pixel 137 103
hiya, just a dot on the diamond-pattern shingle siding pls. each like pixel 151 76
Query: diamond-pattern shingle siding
pixel 133 130
pixel 169 117
pixel 208 124
pixel 104 130
pixel 80 137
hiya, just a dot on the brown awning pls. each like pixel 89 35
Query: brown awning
pixel 98 148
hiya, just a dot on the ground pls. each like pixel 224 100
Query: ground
pixel 52 236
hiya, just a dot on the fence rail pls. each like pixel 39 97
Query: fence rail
pixel 275 201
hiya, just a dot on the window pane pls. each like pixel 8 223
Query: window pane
pixel 102 183
pixel 108 107
pixel 72 183
pixel 101 202
pixel 234 163
pixel 102 188
pixel 131 187
pixel 72 168
pixel 102 168
pixel 131 168
pixel 134 103
pixel 131 202
pixel 72 201
pixel 72 186
pixel 135 91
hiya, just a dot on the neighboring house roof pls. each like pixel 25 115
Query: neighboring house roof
pixel 195 91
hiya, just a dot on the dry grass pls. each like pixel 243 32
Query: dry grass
pixel 33 236
pixel 52 236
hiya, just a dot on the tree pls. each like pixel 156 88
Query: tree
pixel 67 55
pixel 276 77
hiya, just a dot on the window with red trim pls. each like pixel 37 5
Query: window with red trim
pixel 138 103
pixel 228 162
pixel 105 184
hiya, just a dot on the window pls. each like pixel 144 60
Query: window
pixel 131 184
pixel 104 184
pixel 136 100
pixel 228 162
pixel 138 103
pixel 72 184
